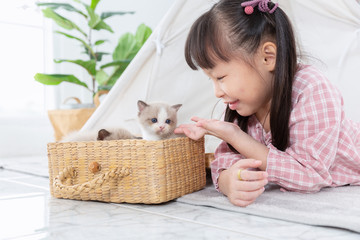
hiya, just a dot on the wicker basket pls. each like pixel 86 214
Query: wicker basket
pixel 132 171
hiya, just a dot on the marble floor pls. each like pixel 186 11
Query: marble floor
pixel 27 211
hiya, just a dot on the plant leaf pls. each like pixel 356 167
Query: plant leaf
pixel 87 46
pixel 88 65
pixel 99 42
pixel 95 21
pixel 103 25
pixel 94 3
pixel 105 15
pixel 116 74
pixel 116 63
pixel 61 21
pixel 99 55
pixel 65 6
pixel 127 47
pixel 101 77
pixel 56 79
pixel 143 32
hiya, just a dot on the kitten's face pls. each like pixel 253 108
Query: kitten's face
pixel 158 118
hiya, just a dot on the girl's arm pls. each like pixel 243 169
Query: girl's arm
pixel 230 133
pixel 226 165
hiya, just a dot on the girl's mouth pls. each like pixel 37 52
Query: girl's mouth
pixel 233 105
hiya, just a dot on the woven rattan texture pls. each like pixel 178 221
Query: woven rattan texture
pixel 132 171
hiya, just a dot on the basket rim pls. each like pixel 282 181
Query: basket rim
pixel 130 140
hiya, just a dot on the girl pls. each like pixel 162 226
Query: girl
pixel 284 118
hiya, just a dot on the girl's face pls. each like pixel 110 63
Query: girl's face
pixel 245 88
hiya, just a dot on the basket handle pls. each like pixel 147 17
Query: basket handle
pixel 70 98
pixel 72 190
pixel 97 96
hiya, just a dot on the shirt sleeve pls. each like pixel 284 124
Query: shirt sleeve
pixel 314 134
pixel 224 158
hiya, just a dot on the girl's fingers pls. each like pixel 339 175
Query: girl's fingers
pixel 193 134
pixel 247 186
pixel 184 127
pixel 248 175
pixel 248 163
pixel 188 133
pixel 245 198
pixel 195 119
pixel 241 203
pixel 179 130
pixel 198 119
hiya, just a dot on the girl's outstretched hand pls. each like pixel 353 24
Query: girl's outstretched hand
pixel 245 191
pixel 202 126
pixel 191 130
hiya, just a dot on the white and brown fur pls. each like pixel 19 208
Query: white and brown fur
pixel 164 125
pixel 99 135
pixel 160 130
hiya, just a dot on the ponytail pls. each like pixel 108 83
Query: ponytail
pixel 286 65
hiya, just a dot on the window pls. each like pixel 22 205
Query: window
pixel 25 48
pixel 22 49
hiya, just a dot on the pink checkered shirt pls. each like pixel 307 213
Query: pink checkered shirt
pixel 324 148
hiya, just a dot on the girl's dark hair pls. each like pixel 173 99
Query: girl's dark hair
pixel 226 32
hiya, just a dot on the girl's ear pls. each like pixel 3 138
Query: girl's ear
pixel 268 53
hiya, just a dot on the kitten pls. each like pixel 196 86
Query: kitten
pixel 102 135
pixel 157 120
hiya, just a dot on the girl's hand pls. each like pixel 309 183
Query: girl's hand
pixel 217 128
pixel 243 192
pixel 202 126
pixel 191 130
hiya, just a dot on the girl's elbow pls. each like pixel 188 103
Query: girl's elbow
pixel 312 186
pixel 317 183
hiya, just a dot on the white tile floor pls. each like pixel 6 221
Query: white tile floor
pixel 27 211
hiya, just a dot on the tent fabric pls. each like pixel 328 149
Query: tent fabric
pixel 159 73
pixel 327 30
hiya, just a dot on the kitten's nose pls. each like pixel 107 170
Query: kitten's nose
pixel 161 127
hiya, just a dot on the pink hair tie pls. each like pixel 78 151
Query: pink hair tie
pixel 262 5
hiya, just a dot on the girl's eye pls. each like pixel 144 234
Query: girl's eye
pixel 168 121
pixel 220 78
pixel 154 120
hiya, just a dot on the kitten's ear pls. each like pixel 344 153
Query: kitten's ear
pixel 141 105
pixel 176 107
pixel 102 134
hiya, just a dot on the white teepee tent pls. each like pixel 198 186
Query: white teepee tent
pixel 330 31
pixel 327 30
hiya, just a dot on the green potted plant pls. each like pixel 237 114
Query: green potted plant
pixel 103 75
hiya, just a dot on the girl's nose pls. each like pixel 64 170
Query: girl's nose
pixel 218 91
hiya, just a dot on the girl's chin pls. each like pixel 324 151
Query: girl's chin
pixel 243 112
pixel 235 106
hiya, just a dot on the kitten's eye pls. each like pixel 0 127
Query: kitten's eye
pixel 168 121
pixel 154 120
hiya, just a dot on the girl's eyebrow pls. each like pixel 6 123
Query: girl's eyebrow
pixel 210 71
